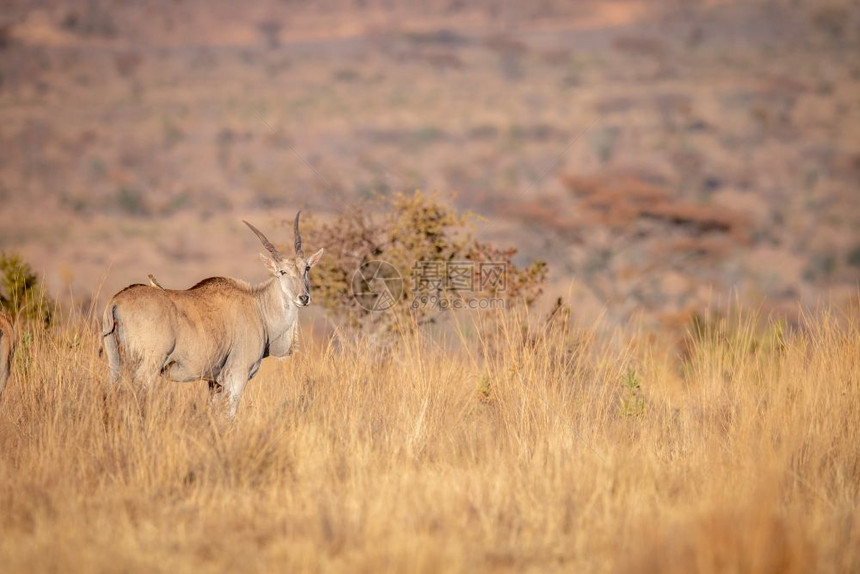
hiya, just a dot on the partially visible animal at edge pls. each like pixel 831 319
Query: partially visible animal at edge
pixel 218 331
pixel 7 349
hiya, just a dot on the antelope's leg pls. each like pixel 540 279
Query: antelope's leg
pixel 111 349
pixel 147 372
pixel 233 383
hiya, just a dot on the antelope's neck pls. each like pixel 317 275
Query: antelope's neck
pixel 280 317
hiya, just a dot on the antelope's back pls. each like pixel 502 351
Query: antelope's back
pixel 199 320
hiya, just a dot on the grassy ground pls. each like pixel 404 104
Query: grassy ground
pixel 143 135
pixel 507 445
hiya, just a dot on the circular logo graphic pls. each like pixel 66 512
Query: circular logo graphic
pixel 377 285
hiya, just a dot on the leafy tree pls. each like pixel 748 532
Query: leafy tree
pixel 407 231
pixel 21 293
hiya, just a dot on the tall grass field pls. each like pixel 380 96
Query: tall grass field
pixel 505 443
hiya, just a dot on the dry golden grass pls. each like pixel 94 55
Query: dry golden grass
pixel 467 453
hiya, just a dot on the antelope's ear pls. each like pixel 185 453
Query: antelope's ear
pixel 314 259
pixel 270 264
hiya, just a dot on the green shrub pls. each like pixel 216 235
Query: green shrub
pixel 21 293
pixel 403 230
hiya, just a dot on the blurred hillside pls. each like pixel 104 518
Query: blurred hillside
pixel 659 155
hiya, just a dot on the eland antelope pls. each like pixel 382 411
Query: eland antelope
pixel 218 330
pixel 7 348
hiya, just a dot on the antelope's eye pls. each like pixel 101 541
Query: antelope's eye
pixel 308 268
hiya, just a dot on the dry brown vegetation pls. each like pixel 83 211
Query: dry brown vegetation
pixel 619 201
pixel 508 445
pixel 153 125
